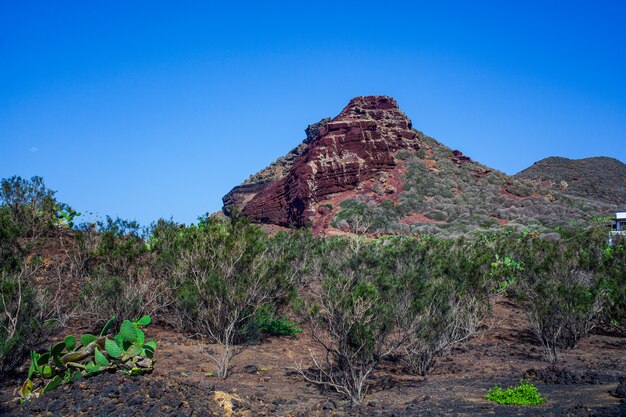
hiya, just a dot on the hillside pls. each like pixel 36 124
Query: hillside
pixel 600 178
pixel 368 170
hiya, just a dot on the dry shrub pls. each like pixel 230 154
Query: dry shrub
pixel 562 306
pixel 225 274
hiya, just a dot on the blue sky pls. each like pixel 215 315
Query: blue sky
pixel 156 109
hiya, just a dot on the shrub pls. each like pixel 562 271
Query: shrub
pixel 523 394
pixel 290 256
pixel 445 281
pixel 363 217
pixel 20 320
pixel 120 247
pixel 268 322
pixel 20 314
pixel 164 243
pixel 10 250
pixel 613 271
pixel 562 297
pixel 352 315
pixel 120 279
pixel 31 204
pixel 223 277
pixel 446 320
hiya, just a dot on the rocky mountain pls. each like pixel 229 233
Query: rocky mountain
pixel 368 170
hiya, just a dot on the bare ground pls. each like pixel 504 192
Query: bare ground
pixel 264 382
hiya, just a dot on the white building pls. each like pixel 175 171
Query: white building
pixel 620 221
pixel 619 226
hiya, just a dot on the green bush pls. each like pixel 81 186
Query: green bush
pixel 20 315
pixel 226 271
pixel 447 284
pixel 268 322
pixel 121 277
pixel 613 281
pixel 364 217
pixel 121 247
pixel 164 242
pixel 10 249
pixel 353 314
pixel 523 394
pixel 32 205
pixel 560 290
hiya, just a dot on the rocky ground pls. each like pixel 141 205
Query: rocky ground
pixel 590 381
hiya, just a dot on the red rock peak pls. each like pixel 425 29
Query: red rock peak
pixel 353 147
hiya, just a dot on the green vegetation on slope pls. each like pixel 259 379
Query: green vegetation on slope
pixel 456 195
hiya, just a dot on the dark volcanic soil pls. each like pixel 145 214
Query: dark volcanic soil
pixel 589 381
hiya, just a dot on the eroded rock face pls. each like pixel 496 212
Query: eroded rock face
pixel 355 146
pixel 239 196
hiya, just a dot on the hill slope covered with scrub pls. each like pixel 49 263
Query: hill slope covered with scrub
pixel 602 179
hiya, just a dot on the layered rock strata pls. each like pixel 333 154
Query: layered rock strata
pixel 355 146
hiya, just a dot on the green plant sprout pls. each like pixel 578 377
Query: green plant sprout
pixel 66 217
pixel 523 394
pixel 505 269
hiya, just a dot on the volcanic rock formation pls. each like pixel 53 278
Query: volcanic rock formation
pixel 239 196
pixel 344 152
pixel 368 171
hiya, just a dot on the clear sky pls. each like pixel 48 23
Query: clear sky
pixel 156 109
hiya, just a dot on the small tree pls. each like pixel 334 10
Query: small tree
pixel 222 280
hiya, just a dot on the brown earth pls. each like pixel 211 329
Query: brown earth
pixel 264 382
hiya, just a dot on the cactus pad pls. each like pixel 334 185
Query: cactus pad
pixel 68 361
pixel 128 331
pixel 112 348
pixel 87 339
pixel 100 358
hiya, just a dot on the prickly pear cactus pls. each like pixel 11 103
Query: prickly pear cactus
pixel 74 358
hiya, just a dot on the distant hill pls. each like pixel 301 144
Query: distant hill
pixel 368 170
pixel 599 178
